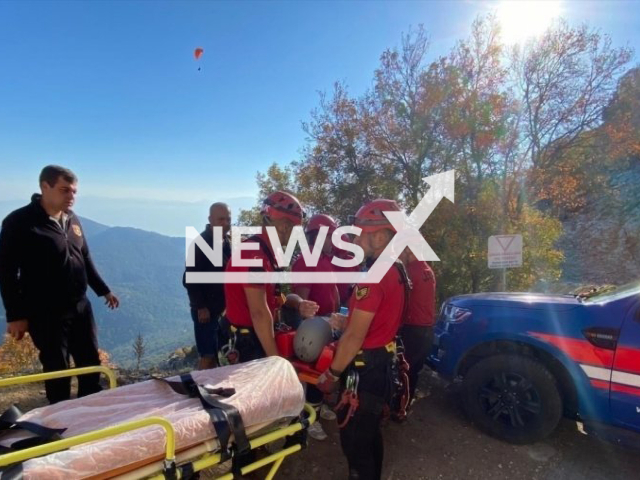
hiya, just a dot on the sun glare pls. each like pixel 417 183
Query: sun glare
pixel 521 20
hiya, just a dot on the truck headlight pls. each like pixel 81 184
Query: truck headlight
pixel 453 314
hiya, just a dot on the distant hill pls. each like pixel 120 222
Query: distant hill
pixel 91 228
pixel 144 269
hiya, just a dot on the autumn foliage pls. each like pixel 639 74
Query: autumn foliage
pixel 21 357
pixel 523 127
pixel 18 357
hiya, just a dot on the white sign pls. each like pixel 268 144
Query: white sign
pixel 505 251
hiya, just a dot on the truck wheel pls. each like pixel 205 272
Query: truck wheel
pixel 513 398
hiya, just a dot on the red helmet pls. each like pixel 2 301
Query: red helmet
pixel 370 217
pixel 283 205
pixel 320 220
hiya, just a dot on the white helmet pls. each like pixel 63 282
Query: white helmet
pixel 311 337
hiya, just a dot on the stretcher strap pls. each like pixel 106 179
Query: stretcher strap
pixel 225 417
pixel 11 472
pixel 9 422
pixel 187 471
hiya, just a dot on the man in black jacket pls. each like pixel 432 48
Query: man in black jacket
pixel 45 268
pixel 207 300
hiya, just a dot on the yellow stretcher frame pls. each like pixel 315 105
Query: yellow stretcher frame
pixel 206 460
pixel 71 372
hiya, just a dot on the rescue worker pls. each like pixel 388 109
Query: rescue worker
pixel 45 268
pixel 247 329
pixel 207 299
pixel 325 295
pixel 365 353
pixel 417 326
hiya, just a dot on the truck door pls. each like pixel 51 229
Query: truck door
pixel 625 377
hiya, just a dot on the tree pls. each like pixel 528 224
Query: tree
pixel 621 117
pixel 579 174
pixel 402 116
pixel 139 348
pixel 340 170
pixel 513 139
pixel 564 81
pixel 276 178
pixel 105 359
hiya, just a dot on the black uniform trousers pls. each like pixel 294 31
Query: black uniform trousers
pixel 59 337
pixel 417 341
pixel 361 439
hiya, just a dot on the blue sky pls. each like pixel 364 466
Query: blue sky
pixel 111 89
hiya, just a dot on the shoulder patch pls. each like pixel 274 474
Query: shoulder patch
pixel 76 229
pixel 362 292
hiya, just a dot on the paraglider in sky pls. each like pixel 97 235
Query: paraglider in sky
pixel 197 53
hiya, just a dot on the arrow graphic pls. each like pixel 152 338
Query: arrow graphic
pixel 442 185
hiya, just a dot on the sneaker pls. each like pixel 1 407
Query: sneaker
pixel 316 432
pixel 326 413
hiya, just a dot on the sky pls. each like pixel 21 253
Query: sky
pixel 112 89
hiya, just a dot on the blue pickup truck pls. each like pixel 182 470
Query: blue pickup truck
pixel 523 360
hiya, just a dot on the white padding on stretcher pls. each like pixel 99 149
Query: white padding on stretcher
pixel 267 390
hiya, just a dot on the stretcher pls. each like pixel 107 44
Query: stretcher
pixel 163 428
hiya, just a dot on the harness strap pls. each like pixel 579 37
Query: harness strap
pixel 401 404
pixel 375 355
pixel 408 286
pixel 280 297
pixel 267 251
pixel 240 330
